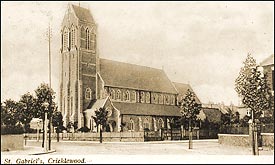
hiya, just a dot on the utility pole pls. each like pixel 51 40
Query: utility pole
pixel 49 36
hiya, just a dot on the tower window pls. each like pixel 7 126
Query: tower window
pixel 73 38
pixel 88 94
pixel 65 40
pixel 87 39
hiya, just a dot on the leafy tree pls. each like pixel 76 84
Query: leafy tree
pixel 27 106
pixel 100 119
pixel 44 94
pixel 189 110
pixel 252 87
pixel 10 123
pixel 57 122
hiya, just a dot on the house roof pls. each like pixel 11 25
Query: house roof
pixel 182 89
pixel 268 61
pixel 147 109
pixel 83 14
pixel 120 74
pixel 212 114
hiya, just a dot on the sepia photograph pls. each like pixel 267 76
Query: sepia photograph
pixel 137 82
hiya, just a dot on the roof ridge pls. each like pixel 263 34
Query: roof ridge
pixel 131 64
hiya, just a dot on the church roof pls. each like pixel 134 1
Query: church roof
pixel 147 109
pixel 182 89
pixel 119 74
pixel 268 61
pixel 83 14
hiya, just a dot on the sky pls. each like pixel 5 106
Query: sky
pixel 200 43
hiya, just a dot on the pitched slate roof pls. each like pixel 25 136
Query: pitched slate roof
pixel 83 14
pixel 182 89
pixel 96 104
pixel 268 61
pixel 146 109
pixel 119 74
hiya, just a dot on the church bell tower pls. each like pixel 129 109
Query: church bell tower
pixel 79 64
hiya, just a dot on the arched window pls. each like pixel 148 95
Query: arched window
pixel 147 97
pixel 134 96
pixel 161 123
pixel 173 100
pixel 166 99
pixel 127 96
pixel 93 41
pixel 132 127
pixel 87 39
pixel 146 124
pixel 113 94
pixel 155 98
pixel 142 97
pixel 65 39
pixel 88 94
pixel 72 37
pixel 118 94
pixel 161 99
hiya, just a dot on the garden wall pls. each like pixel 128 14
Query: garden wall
pixel 234 139
pixel 12 142
pixel 268 139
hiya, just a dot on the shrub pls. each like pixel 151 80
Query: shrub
pixel 11 129
pixel 84 129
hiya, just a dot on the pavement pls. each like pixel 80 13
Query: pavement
pixel 204 151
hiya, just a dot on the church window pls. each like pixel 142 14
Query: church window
pixel 87 39
pixel 65 38
pixel 73 38
pixel 113 94
pixel 146 124
pixel 134 96
pixel 118 93
pixel 132 125
pixel 92 41
pixel 127 96
pixel 88 94
pixel 173 100
pixel 147 97
pixel 166 99
pixel 155 98
pixel 161 99
pixel 161 123
pixel 142 97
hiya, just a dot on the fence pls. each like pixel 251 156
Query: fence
pixel 107 136
pixel 264 128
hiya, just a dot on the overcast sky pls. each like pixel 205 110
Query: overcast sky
pixel 200 43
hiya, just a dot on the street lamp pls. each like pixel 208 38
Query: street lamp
pixel 46 105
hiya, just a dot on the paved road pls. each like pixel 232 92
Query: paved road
pixel 200 147
pixel 203 152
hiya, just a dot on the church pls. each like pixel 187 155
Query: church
pixel 135 97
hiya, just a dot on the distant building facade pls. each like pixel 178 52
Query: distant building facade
pixel 136 97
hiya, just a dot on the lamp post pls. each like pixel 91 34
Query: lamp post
pixel 46 105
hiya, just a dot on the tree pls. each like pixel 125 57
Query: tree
pixel 10 123
pixel 44 94
pixel 100 119
pixel 57 122
pixel 252 87
pixel 27 109
pixel 189 110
